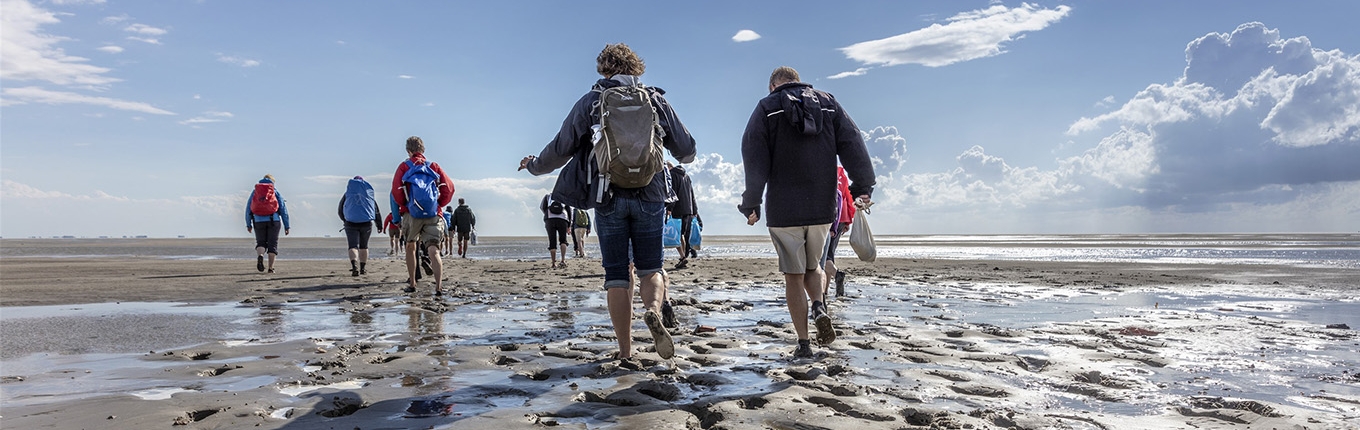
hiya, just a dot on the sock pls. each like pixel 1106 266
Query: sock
pixel 804 343
pixel 361 266
pixel 353 265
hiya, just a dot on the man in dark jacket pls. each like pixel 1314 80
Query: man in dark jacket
pixel 684 209
pixel 789 150
pixel 628 220
pixel 464 221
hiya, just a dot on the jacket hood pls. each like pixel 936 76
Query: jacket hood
pixel 417 158
pixel 802 105
pixel 266 181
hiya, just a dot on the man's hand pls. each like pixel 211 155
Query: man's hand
pixel 285 232
pixel 752 218
pixel 524 163
pixel 863 202
pixel 250 230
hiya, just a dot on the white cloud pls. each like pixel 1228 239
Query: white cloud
pixel 745 36
pixel 33 211
pixel 22 95
pixel 208 117
pixel 857 72
pixel 887 149
pixel 111 49
pixel 406 76
pixel 115 20
pixel 967 36
pixel 28 54
pixel 149 40
pixel 145 30
pixel 237 61
pixel 1105 102
pixel 76 2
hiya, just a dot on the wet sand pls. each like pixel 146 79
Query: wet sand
pixel 904 357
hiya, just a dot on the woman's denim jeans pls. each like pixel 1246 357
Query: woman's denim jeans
pixel 627 228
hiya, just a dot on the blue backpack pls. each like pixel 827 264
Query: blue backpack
pixel 360 205
pixel 422 190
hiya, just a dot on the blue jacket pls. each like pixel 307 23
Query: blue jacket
pixel 571 148
pixel 789 151
pixel 251 218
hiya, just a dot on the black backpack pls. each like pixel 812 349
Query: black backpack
pixel 555 207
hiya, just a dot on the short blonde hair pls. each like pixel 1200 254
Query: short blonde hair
pixel 783 75
pixel 414 145
pixel 269 177
pixel 619 59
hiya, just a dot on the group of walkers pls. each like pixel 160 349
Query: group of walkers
pixel 419 188
pixel 805 163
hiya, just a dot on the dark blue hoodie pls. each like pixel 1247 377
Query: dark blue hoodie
pixel 789 151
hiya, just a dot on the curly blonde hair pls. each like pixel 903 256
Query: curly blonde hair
pixel 619 59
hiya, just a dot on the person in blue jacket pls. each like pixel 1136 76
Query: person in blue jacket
pixel 266 212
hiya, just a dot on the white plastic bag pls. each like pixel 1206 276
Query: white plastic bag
pixel 861 239
pixel 473 237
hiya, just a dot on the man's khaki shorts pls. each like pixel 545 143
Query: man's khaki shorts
pixel 429 230
pixel 800 248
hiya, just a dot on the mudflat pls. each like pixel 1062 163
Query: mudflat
pixel 515 344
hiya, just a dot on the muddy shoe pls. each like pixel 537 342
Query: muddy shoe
pixel 664 347
pixel 409 289
pixel 803 351
pixel 825 333
pixel 668 315
pixel 259 263
pixel 353 272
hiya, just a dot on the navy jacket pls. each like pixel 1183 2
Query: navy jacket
pixel 571 148
pixel 684 204
pixel 789 151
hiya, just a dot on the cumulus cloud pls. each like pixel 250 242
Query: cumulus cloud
pixel 967 36
pixel 1252 112
pixel 28 54
pixel 237 61
pixel 887 149
pixel 22 95
pixel 745 36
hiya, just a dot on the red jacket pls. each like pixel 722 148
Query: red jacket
pixel 399 191
pixel 847 200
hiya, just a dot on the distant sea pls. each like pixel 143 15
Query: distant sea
pixel 1304 250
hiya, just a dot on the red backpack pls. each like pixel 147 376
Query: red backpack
pixel 265 203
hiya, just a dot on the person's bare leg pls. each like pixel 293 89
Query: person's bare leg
pixel 411 263
pixel 653 291
pixel 620 301
pixel 796 294
pixel 438 267
pixel 813 282
pixel 563 250
pixel 363 260
pixel 272 256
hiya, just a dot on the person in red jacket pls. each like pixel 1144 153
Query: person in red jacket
pixel 425 229
pixel 838 229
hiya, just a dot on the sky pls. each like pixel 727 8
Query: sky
pixel 983 117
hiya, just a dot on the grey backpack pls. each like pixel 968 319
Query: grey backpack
pixel 628 149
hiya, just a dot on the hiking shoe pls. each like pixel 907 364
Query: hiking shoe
pixel 259 263
pixel 825 333
pixel 353 272
pixel 803 351
pixel 271 270
pixel 683 263
pixel 664 347
pixel 840 284
pixel 409 289
pixel 668 315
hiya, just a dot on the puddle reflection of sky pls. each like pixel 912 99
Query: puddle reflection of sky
pixel 569 318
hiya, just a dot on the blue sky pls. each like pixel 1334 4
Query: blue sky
pixel 155 118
